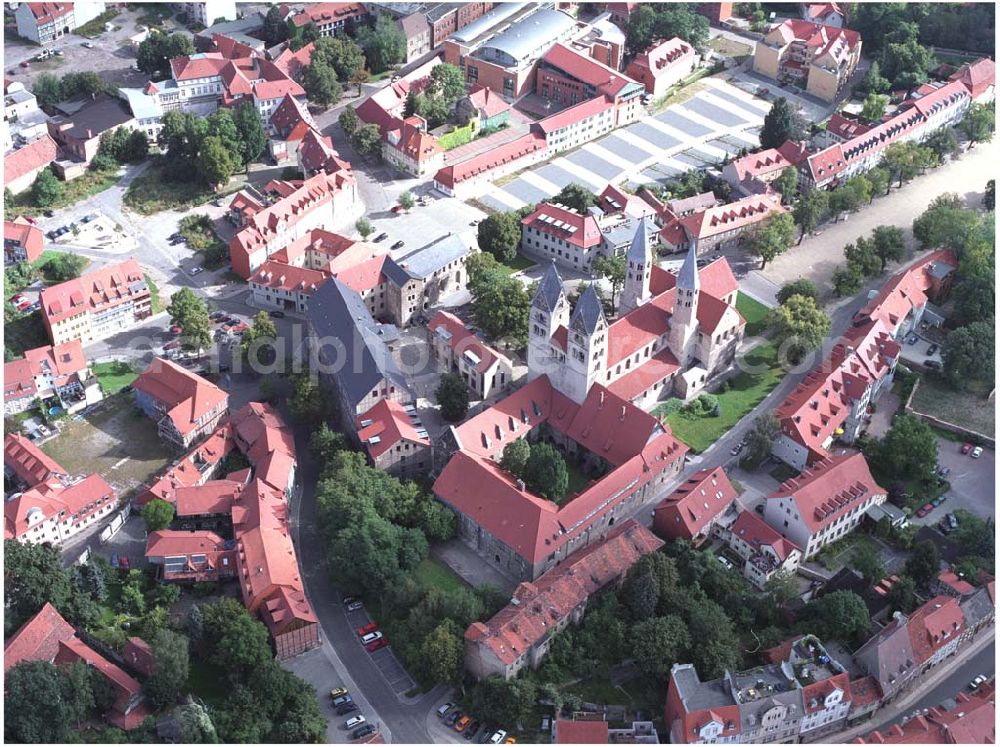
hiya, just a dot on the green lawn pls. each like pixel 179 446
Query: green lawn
pixel 114 376
pixel 754 312
pixel 835 556
pixel 458 136
pixel 207 682
pixel 431 573
pixel 48 255
pixel 154 292
pixel 968 408
pixel 782 472
pixel 152 192
pixel 577 480
pixel 746 391
pixel 600 691
pixel 95 26
pixel 73 191
pixel 519 263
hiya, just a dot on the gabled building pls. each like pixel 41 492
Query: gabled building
pixel 49 505
pixel 288 211
pixel 763 549
pixel 187 407
pixel 59 372
pixel 80 122
pixel 824 503
pixel 827 14
pixel 330 18
pixel 411 148
pixel 96 305
pixel 691 510
pixel 289 125
pixel 23 241
pixel 22 166
pixel 751 174
pixel 663 64
pixel 627 454
pixel 45 22
pixel 834 400
pixel 972 720
pixel 484 369
pixel 803 694
pixel 721 226
pixel 395 439
pixel 484 106
pixel 191 556
pixel 48 637
pixel 820 59
pixel 521 633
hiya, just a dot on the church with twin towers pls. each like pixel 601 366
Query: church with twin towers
pixel 671 334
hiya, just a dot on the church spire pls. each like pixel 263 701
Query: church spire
pixel 638 268
pixel 687 278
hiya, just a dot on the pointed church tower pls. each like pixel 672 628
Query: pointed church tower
pixel 549 311
pixel 587 346
pixel 638 267
pixel 684 320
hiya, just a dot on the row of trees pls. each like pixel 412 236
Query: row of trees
pixel 333 61
pixel 867 258
pixel 655 21
pixel 211 148
pixel 50 90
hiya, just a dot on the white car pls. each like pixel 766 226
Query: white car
pixel 977 452
pixel 366 639
pixel 44 431
pixel 196 270
pixel 354 721
pixel 974 685
pixel 498 736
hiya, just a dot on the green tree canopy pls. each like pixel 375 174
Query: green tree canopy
pixel 367 139
pixel 500 235
pixel 349 121
pixel 924 564
pixel 800 325
pixel 384 44
pixel 841 615
pixel 453 396
pixel 500 302
pixel 888 244
pixel 908 450
pixel 783 122
pixel 969 354
pixel 320 83
pixel 170 668
pixel 47 189
pixel 801 287
pixel 157 514
pixel 658 643
pixel 772 237
pixel 810 210
pixel 515 456
pixel 340 53
pixel 33 575
pixel 545 472
pixel 576 197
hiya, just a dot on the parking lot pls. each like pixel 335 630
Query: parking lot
pixel 384 659
pixel 973 485
pixel 717 120
pixel 441 728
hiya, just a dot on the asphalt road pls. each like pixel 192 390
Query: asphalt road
pixel 958 681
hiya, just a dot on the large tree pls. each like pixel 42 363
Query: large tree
pixel 218 162
pixel 453 396
pixel 862 255
pixel 349 121
pixel 366 139
pixel 665 21
pixel 545 472
pixel 158 49
pixel 888 244
pixel 947 223
pixel 275 28
pixel 500 302
pixel 782 123
pixel 906 64
pixel 907 159
pixel 320 83
pixel 841 615
pixel 33 575
pixel 500 234
pixel 448 82
pixel 867 560
pixel 252 137
pixel 874 107
pixel 189 312
pixel 969 354
pixel 801 287
pixel 384 44
pixel 170 668
pixel 157 514
pixel 611 268
pixel 800 326
pixel 924 564
pixel 787 184
pixel 772 237
pixel 40 704
pixel 576 197
pixel 810 210
pixel 908 450
pixel 975 300
pixel 979 123
pixel 847 279
pixel 340 53
pixel 443 652
pixel 760 440
pixel 657 643
pixel 47 189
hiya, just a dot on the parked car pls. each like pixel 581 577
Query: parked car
pixel 462 723
pixel 736 449
pixel 376 645
pixel 123 561
pixel 114 560
pixel 275 314
pixel 924 510
pixel 240 328
pixel 546 724
pixel 453 717
pixel 952 522
pixel 966 447
pixel 759 508
pixel 443 709
pixel 912 339
pixel 399 244
pixel 369 637
pixel 363 732
pixel 355 606
pixel 471 731
pixel 498 736
pixel 88 45
pixel 366 629
pixel 196 270
pixel 346 708
pixel 977 452
pixel 932 349
pixel 338 692
pixel 382 236
pixel 932 364
pixel 25 64
pixel 944 471
pixel 172 345
pixel 979 680
pixel 354 721
pixel 342 700
pixel 44 431
pixel 217 316
pixel 23 306
pixel 937 501
pixel 726 562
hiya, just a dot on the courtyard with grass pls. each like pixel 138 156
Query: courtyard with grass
pixel 117 442
pixel 435 575
pixel 72 192
pixel 966 408
pixel 114 376
pixel 754 312
pixel 520 263
pixel 152 192
pixel 838 554
pixel 745 391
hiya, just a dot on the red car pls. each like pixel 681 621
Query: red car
pixel 369 628
pixel 124 562
pixel 924 510
pixel 175 330
pixel 24 306
pixel 966 448
pixel 376 645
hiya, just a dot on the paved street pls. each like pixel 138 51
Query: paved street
pixel 818 256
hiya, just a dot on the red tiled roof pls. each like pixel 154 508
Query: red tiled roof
pixel 388 423
pixel 933 625
pixel 23 232
pixel 291 119
pixel 905 291
pixel 760 163
pixel 661 56
pixel 323 13
pixel 291 63
pixel 166 542
pixel 204 65
pixel 827 39
pixel 815 694
pixel 555 594
pixel 406 136
pixel 188 470
pixel 829 488
pixel 232 49
pixel 614 200
pixel 579 229
pixel 460 339
pixel 604 79
pixel 48 12
pixel 101 289
pixel 260 430
pixel 581 732
pixel 732 216
pixel 186 397
pixel 977 76
pixel 575 114
pixel 139 656
pixel 689 723
pixel 971 721
pixel 214 497
pixel 60 364
pixel 865 691
pixel 690 509
pixel 279 276
pixel 959 585
pixel 504 154
pixel 644 376
pixel 30 158
pixel 27 461
pixel 485 100
pixel 846 127
pixel 758 533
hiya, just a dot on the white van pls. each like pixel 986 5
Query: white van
pixel 354 721
pixel 366 639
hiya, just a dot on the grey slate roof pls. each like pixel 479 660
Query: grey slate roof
pixel 338 313
pixel 687 278
pixel 977 606
pixel 550 289
pixel 588 312
pixel 425 261
pixel 697 695
pixel 639 250
pixel 888 656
